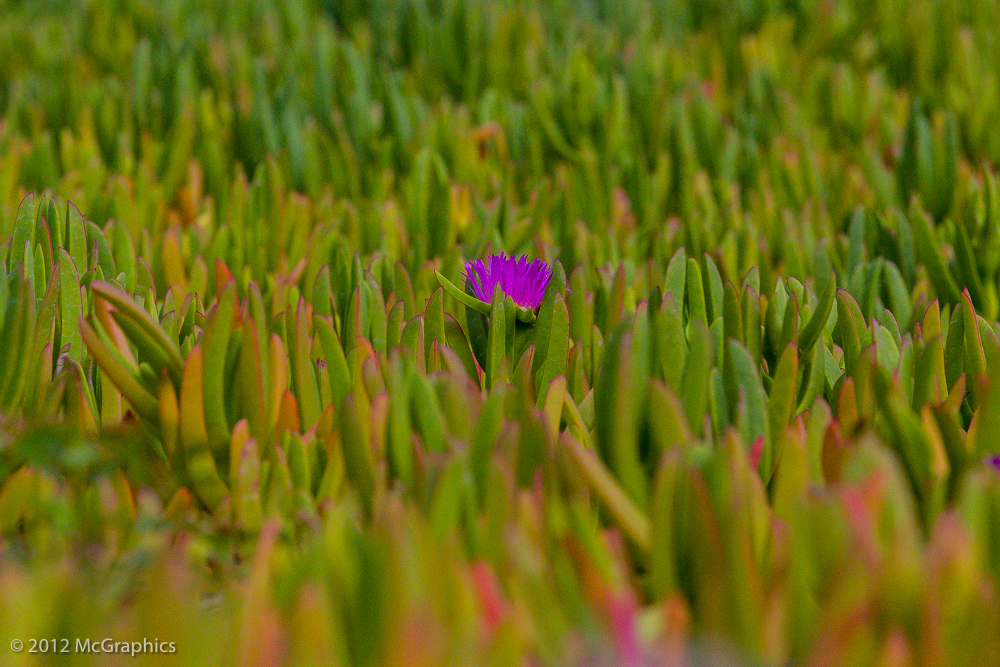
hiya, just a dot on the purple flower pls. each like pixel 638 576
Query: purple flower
pixel 523 281
pixel 994 462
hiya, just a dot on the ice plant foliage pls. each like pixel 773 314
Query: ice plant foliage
pixel 522 280
pixel 715 400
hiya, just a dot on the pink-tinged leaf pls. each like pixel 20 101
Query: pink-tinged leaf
pixel 261 636
pixel 756 452
pixel 623 626
pixel 494 605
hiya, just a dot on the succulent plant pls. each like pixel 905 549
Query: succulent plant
pixel 279 382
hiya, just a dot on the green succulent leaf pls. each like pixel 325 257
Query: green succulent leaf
pixel 460 296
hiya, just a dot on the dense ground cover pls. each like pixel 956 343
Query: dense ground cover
pixel 247 416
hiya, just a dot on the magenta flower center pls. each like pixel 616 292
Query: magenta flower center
pixel 523 281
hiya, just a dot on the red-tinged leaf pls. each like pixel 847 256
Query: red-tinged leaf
pixel 288 415
pixel 261 637
pixel 180 505
pixel 222 275
pixel 756 452
pixel 491 598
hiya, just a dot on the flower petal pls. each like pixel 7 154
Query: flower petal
pixel 523 280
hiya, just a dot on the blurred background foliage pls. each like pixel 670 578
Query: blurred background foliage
pixel 752 423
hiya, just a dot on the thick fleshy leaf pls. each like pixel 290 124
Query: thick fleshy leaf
pixel 244 479
pixel 667 423
pixel 427 414
pixel 781 401
pixel 24 229
pixel 358 458
pixel 466 300
pixel 143 331
pixel 929 252
pixel 694 381
pixel 200 465
pixel 251 382
pixel 811 332
pixel 676 277
pixel 215 342
pixel 669 343
pixel 303 371
pixel 557 347
pixel 75 240
pixel 695 293
pixel 117 370
pixel 434 321
pixel 630 518
pixel 974 357
pixel 336 363
pixel 496 342
pixel 16 341
pixel 753 409
pixel 460 344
